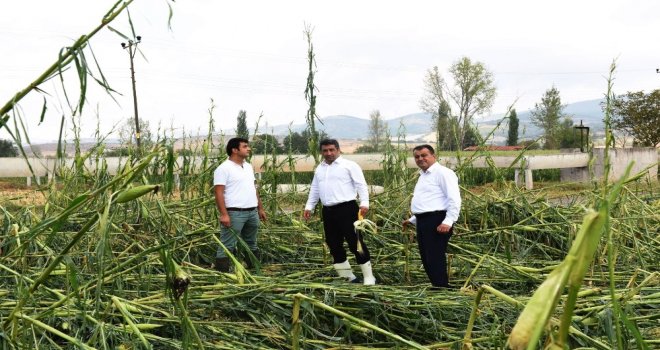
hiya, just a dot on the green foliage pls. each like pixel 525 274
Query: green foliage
pixel 512 137
pixel 7 149
pixel 365 149
pixel 265 144
pixel 127 134
pixel 530 144
pixel 547 115
pixel 638 114
pixel 435 103
pixel 241 125
pixel 568 136
pixel 298 143
pixel 377 131
pixel 473 93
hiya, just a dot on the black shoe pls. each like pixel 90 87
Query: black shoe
pixel 222 264
pixel 356 280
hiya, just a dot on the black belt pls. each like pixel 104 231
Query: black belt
pixel 429 213
pixel 241 209
pixel 339 204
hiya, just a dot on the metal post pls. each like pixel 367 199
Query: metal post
pixel 581 127
pixel 132 49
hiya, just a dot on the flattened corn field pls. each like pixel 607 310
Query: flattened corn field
pixel 101 267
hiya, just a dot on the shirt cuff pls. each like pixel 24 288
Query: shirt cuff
pixel 448 222
pixel 413 220
pixel 364 204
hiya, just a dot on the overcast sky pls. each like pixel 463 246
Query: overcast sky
pixel 370 55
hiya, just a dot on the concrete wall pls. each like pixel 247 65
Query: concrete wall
pixel 621 157
pixel 574 165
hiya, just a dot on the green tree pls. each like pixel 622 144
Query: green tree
pixel 265 144
pixel 435 103
pixel 512 137
pixel 567 135
pixel 127 134
pixel 365 149
pixel 473 92
pixel 298 143
pixel 241 125
pixel 377 130
pixel 472 137
pixel 638 114
pixel 547 115
pixel 7 149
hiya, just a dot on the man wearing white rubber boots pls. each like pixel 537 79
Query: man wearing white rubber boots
pixel 337 183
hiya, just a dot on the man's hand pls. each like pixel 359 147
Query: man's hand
pixel 444 228
pixel 307 214
pixel 225 220
pixel 405 224
pixel 262 214
pixel 363 211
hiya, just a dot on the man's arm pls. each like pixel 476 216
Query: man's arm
pixel 219 191
pixel 361 187
pixel 312 199
pixel 449 184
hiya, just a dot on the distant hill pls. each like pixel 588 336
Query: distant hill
pixel 418 125
pixel 349 127
pixel 589 112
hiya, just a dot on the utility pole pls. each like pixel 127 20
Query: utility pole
pixel 132 49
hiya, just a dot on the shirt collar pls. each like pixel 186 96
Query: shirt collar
pixel 339 160
pixel 430 169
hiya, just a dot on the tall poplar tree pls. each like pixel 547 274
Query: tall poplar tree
pixel 241 125
pixel 512 137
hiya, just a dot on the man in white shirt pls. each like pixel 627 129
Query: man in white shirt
pixel 238 202
pixel 435 205
pixel 337 182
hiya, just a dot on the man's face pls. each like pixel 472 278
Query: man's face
pixel 330 153
pixel 243 150
pixel 423 158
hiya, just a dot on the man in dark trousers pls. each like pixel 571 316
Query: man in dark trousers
pixel 337 183
pixel 435 205
pixel 238 202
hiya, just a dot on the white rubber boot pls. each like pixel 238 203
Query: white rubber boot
pixel 344 270
pixel 367 274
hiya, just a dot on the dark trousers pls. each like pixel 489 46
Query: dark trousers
pixel 338 226
pixel 433 246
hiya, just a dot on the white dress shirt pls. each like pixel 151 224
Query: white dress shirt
pixel 436 189
pixel 338 182
pixel 240 191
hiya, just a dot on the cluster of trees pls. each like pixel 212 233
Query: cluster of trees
pixel 638 115
pixel 454 106
pixel 558 127
pixel 8 149
pixel 635 113
pixel 295 142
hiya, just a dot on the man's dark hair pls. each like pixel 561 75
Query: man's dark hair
pixel 421 147
pixel 235 143
pixel 326 142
